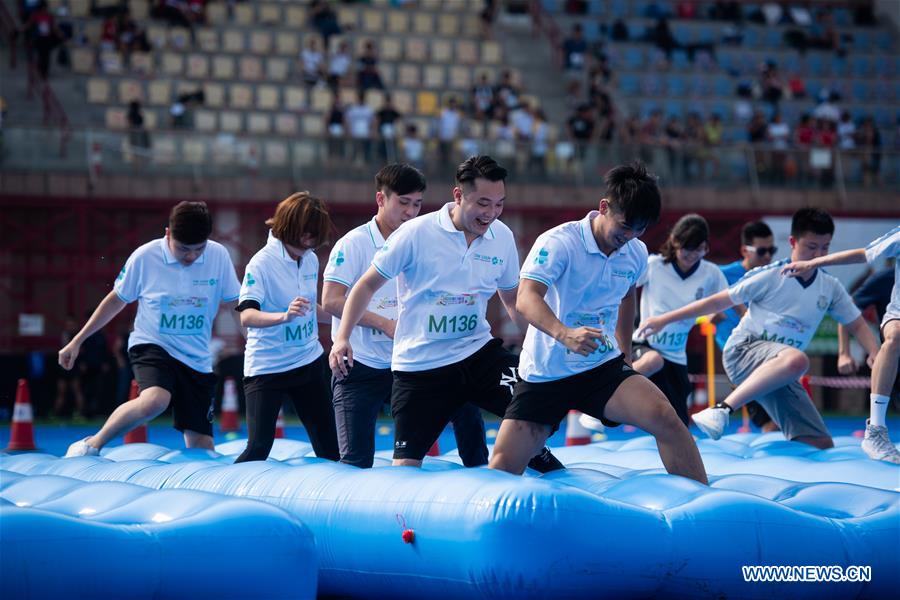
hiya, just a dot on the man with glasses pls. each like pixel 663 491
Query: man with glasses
pixel 757 250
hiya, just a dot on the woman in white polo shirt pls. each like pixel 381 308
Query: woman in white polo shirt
pixel 278 304
pixel 675 277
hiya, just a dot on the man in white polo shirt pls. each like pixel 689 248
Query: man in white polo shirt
pixel 764 356
pixel 179 282
pixel 359 396
pixel 577 292
pixel 448 264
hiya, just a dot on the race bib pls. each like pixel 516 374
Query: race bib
pixel 384 307
pixel 597 320
pixel 183 315
pixel 669 340
pixel 450 316
pixel 299 331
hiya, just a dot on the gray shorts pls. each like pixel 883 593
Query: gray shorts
pixel 790 406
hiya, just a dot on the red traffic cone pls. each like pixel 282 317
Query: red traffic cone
pixel 804 381
pixel 22 432
pixel 435 449
pixel 137 435
pixel 576 433
pixel 228 420
pixel 279 425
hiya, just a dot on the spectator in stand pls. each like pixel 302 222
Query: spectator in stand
pixel 824 141
pixel 573 99
pixel 619 31
pixel 483 98
pixel 827 108
pixel 574 49
pixel 673 135
pixel 338 66
pixel 312 61
pixel 651 137
pixel 522 121
pixel 487 15
pixel 506 92
pixel 361 122
pixel 581 130
pixel 335 125
pixel 176 13
pixel 757 128
pixel 713 133
pixel 109 34
pixel 386 121
pixel 600 78
pixel 448 129
pixel 323 19
pixel 43 35
pixel 368 77
pixel 770 83
pixel 846 131
pixel 540 143
pixel 870 146
pixel 413 147
pixel 138 136
pixel 692 146
pixel 778 135
pixel 796 87
pixel 606 116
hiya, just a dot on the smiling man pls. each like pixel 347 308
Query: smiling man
pixel 179 281
pixel 577 292
pixel 359 396
pixel 448 264
pixel 764 357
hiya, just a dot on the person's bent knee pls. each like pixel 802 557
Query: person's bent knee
pixel 891 343
pixel 797 362
pixel 154 401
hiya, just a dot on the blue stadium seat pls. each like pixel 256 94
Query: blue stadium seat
pixel 676 85
pixel 860 90
pixel 842 17
pixel 862 40
pixel 706 34
pixel 883 65
pixel 815 64
pixel 791 63
pixel 674 108
pixel 839 65
pixel 680 60
pixel 751 37
pixel 618 8
pixel 647 107
pixel 591 29
pixel 651 84
pixel 884 41
pixel 550 6
pixel 628 83
pixel 862 66
pixel 774 37
pixel 596 7
pixel 634 58
pixel 885 115
pixel 723 86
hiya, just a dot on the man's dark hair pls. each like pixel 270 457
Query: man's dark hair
pixel 478 167
pixel 811 220
pixel 399 178
pixel 754 229
pixel 190 222
pixel 688 232
pixel 632 192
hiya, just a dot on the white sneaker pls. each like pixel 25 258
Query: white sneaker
pixel 589 422
pixel 82 448
pixel 878 445
pixel 712 421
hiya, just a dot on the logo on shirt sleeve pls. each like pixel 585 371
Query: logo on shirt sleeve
pixel 121 275
pixel 542 257
pixel 338 258
pixel 248 279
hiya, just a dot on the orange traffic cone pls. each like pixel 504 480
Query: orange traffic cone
pixel 576 433
pixel 804 381
pixel 435 449
pixel 138 434
pixel 279 425
pixel 699 398
pixel 228 421
pixel 22 432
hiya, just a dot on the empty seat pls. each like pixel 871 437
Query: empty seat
pixel 243 13
pixel 197 66
pixel 208 39
pixel 294 97
pixel 277 69
pixel 490 53
pixel 223 67
pixel 116 118
pixel 286 124
pixel 269 14
pixel 398 22
pixel 240 96
pixel 98 90
pixel 230 121
pixel 159 92
pixel 267 97
pixel 214 94
pixel 233 41
pixel 83 60
pixel 261 42
pixel 416 50
pixel 259 123
pixel 287 44
pixel 408 76
pixel 275 153
pixel 441 51
pixel 251 68
pixel 130 90
pixel 434 77
pixel 205 120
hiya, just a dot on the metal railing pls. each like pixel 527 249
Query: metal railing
pixel 204 155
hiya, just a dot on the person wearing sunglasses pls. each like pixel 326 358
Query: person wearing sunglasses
pixel 757 250
pixel 765 355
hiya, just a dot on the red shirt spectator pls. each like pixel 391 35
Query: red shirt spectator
pixel 805 132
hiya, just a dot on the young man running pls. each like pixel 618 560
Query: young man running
pixel 359 396
pixel 179 281
pixel 448 264
pixel 764 357
pixel 577 293
pixel 876 442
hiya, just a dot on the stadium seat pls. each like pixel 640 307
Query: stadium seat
pixel 460 78
pixel 269 14
pixel 398 22
pixel 267 97
pixel 98 90
pixel 408 76
pixel 320 99
pixel 427 104
pixel 261 42
pixel 179 38
pixel 286 44
pixel 243 13
pixel 862 66
pixel 172 63
pixel 466 52
pixel 116 118
pixel 206 120
pixel 251 68
pixel 313 125
pixel 83 60
pixel 441 51
pixel 373 21
pixel 434 77
pixel 294 97
pixel 233 41
pixel 390 48
pixel 159 92
pixel 216 13
pixel 295 16
pixel 213 93
pixel 197 66
pixel 275 153
pixel 448 25
pixel 231 121
pixel 208 39
pixel 193 151
pixel 490 53
pixel 277 69
pixel 286 124
pixel 259 123
pixel 130 90
pixel 111 63
pixel 240 95
pixel 416 49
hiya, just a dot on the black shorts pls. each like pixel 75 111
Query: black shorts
pixel 548 402
pixel 423 402
pixel 672 380
pixel 192 391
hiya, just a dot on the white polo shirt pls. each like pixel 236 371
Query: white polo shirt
pixel 667 288
pixel 350 258
pixel 785 309
pixel 274 279
pixel 584 288
pixel 443 287
pixel 888 246
pixel 177 304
